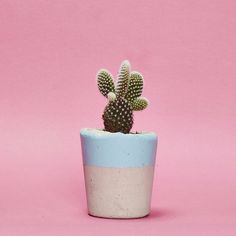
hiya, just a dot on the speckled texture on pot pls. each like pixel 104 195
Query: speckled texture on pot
pixel 118 171
pixel 118 192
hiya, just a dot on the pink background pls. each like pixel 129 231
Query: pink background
pixel 50 52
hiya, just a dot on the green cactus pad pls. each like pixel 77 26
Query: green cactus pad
pixel 118 116
pixel 123 79
pixel 135 86
pixel 139 104
pixel 105 82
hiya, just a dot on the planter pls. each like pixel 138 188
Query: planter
pixel 118 172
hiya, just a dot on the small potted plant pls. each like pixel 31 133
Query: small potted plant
pixel 118 164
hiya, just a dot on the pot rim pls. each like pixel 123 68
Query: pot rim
pixel 103 133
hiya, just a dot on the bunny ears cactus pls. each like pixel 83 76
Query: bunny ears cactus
pixel 124 98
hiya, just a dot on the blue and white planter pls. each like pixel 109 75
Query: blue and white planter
pixel 118 171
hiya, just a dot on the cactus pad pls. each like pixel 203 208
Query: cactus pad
pixel 105 82
pixel 123 79
pixel 118 116
pixel 135 86
pixel 139 104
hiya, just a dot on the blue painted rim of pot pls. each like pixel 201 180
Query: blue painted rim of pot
pixel 105 149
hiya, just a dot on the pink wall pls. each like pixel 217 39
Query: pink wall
pixel 50 52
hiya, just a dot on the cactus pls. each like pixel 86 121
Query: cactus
pixel 123 99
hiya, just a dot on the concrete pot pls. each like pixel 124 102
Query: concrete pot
pixel 118 172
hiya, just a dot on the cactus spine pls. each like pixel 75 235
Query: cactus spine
pixel 123 99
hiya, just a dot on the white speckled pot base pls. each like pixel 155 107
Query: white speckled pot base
pixel 118 192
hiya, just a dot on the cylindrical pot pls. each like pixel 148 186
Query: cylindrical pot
pixel 118 172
